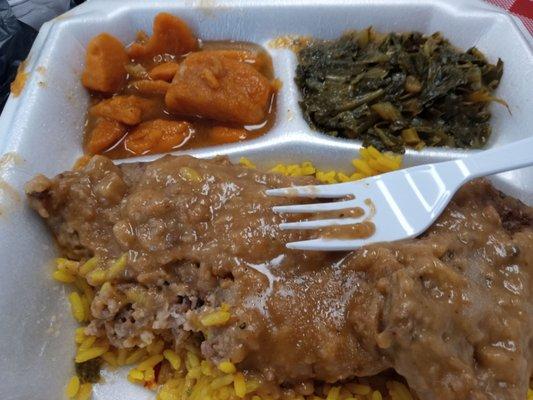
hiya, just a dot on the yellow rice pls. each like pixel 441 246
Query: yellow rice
pixel 77 307
pixel 85 391
pixel 188 376
pixel 73 386
pixel 63 276
pixel 371 162
pixel 215 318
pixel 227 367
pixel 89 265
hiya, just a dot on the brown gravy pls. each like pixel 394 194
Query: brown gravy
pixel 453 305
pixel 354 212
pixel 362 230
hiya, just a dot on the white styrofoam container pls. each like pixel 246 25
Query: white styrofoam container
pixel 41 132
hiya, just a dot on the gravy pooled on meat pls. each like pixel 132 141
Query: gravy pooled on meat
pixel 450 311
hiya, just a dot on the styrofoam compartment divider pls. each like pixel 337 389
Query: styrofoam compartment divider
pixel 41 132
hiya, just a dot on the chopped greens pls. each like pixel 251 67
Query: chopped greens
pixel 398 90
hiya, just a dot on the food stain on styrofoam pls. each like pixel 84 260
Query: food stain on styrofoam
pixel 8 160
pixel 8 194
pixel 291 42
pixel 290 115
pixel 207 7
pixel 17 86
pixel 8 197
pixel 41 70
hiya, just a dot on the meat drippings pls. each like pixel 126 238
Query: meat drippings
pixel 450 311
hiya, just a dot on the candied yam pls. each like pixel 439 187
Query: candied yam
pixel 260 61
pixel 220 88
pixel 210 78
pixel 118 109
pixel 171 35
pixel 223 134
pixel 105 134
pixel 158 136
pixel 148 87
pixel 165 71
pixel 257 59
pixel 129 110
pixel 105 65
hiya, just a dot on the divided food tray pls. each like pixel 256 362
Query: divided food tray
pixel 41 132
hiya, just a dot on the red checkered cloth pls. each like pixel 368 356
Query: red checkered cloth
pixel 523 9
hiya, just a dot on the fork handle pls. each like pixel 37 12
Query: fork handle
pixel 504 158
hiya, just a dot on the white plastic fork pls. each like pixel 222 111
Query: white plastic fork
pixel 406 201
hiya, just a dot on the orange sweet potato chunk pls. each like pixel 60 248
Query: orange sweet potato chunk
pixel 164 71
pixel 220 88
pixel 223 134
pixel 158 136
pixel 129 110
pixel 148 87
pixel 105 134
pixel 254 58
pixel 171 35
pixel 105 63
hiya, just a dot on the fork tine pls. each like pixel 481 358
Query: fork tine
pixel 325 191
pixel 328 244
pixel 319 223
pixel 315 207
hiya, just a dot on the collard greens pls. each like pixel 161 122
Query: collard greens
pixel 398 90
